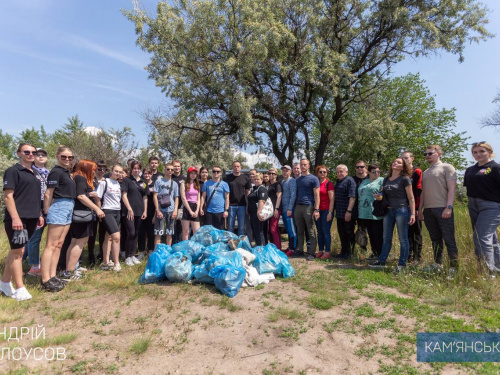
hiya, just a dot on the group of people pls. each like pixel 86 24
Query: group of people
pixel 128 209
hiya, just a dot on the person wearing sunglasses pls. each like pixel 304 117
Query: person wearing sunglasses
pixel 215 200
pixel 165 198
pixel 58 205
pixel 22 216
pixel 482 181
pixel 325 220
pixel 190 195
pixel 32 249
pixel 439 183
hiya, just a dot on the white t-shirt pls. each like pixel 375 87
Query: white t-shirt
pixel 113 195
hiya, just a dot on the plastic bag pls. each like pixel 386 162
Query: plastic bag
pixel 244 243
pixel 201 274
pixel 216 248
pixel 191 248
pixel 225 236
pixel 286 269
pixel 228 279
pixel 231 258
pixel 155 268
pixel 270 259
pixel 248 257
pixel 207 235
pixel 178 267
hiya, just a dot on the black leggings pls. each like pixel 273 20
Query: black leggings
pixel 257 229
pixel 132 230
pixel 146 232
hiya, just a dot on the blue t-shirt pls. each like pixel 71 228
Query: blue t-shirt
pixel 218 200
pixel 305 189
pixel 162 186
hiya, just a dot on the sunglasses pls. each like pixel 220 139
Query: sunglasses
pixel 360 166
pixel 64 157
pixel 26 152
pixel 169 170
pixel 478 143
pixel 429 153
pixel 375 172
pixel 102 169
pixel 321 172
pixel 214 171
pixel 271 173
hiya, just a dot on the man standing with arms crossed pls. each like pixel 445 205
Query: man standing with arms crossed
pixel 439 183
pixel 307 208
pixel 415 230
pixel 239 188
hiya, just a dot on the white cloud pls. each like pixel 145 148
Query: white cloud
pixel 257 157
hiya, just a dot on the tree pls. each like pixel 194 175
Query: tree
pixel 402 116
pixel 493 119
pixel 263 165
pixel 274 72
pixel 7 145
pixel 38 138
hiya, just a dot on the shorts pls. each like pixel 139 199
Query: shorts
pixel 165 225
pixel 29 224
pixel 186 216
pixel 81 230
pixel 61 212
pixel 111 221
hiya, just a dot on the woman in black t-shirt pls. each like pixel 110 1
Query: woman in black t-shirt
pixel 146 229
pixel 401 211
pixel 22 215
pixel 483 189
pixel 58 204
pixel 134 209
pixel 84 205
pixel 256 200
pixel 274 191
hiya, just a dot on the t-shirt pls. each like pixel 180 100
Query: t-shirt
pixel 110 193
pixel 324 199
pixel 237 189
pixel 272 192
pixel 64 186
pixel 151 203
pixel 180 179
pixel 345 189
pixel 434 184
pixel 164 186
pixel 416 185
pixel 395 191
pixel 483 181
pixel 218 200
pixel 305 189
pixel 26 191
pixel 82 188
pixel 257 194
pixel 156 176
pixel 136 190
pixel 366 199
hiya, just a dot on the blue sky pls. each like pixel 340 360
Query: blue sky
pixel 61 58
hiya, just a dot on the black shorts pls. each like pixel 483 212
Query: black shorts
pixel 81 230
pixel 187 216
pixel 111 221
pixel 29 224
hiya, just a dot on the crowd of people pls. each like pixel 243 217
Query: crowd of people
pixel 128 209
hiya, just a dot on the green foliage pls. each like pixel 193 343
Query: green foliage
pixel 271 71
pixel 38 138
pixel 7 145
pixel 263 165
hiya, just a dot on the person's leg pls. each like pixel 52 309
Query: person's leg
pixel 209 218
pixel 32 248
pixel 186 224
pixel 362 224
pixel 115 247
pixel 265 227
pixel 327 233
pixel 219 220
pixel 448 232
pixel 14 268
pixel 55 238
pixel 350 235
pixel 309 221
pixel 389 222
pixel 130 233
pixel 257 229
pixel 301 226
pixel 232 213
pixel 170 228
pixel 290 229
pixel 344 241
pixel 485 238
pixel 320 224
pixel 432 225
pixel 106 248
pixel 275 231
pixel 142 236
pixel 91 243
pixel 102 234
pixel 402 216
pixel 195 225
pixel 241 215
pixel 74 251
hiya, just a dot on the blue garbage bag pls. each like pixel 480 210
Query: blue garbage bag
pixel 244 243
pixel 228 279
pixel 225 236
pixel 155 268
pixel 191 248
pixel 207 235
pixel 178 267
pixel 201 274
pixel 286 268
pixel 213 249
pixel 232 258
pixel 266 259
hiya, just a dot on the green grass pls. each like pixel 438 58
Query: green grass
pixel 64 338
pixel 285 313
pixel 140 345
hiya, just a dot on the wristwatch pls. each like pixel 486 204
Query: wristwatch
pixel 350 211
pixel 316 209
pixel 450 207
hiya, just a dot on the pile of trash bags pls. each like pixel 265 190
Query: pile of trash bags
pixel 217 257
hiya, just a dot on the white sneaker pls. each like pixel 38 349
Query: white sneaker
pixel 81 269
pixel 129 262
pixel 7 288
pixel 117 267
pixel 135 260
pixel 21 294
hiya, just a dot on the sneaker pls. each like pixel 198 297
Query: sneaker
pixel 7 288
pixel 36 272
pixel 319 254
pixel 452 272
pixel 129 262
pixel 377 264
pixel 21 294
pixel 107 266
pixel 297 254
pixel 59 281
pixel 433 268
pixel 289 252
pixel 81 269
pixel 66 275
pixel 400 269
pixel 325 256
pixel 310 257
pixel 372 257
pixel 51 286
pixel 136 260
pixel 117 267
pixel 140 256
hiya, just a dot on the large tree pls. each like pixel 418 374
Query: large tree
pixel 274 71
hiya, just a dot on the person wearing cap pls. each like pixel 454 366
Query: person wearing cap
pixel 289 187
pixel 239 188
pixel 32 249
pixel 190 196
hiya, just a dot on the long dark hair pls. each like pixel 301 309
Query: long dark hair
pixel 195 182
pixel 407 169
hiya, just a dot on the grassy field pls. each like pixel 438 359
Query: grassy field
pixel 333 317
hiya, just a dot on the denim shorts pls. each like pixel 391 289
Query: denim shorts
pixel 61 211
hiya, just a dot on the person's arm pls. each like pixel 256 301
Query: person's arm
pixel 174 214
pixel 316 203
pixel 352 201
pixel 331 197
pixel 87 202
pixel 130 213
pixel 47 199
pixel 452 186
pixel 202 203
pixel 159 214
pixel 411 202
pixel 145 212
pixel 184 200
pixel 278 203
pixel 226 205
pixel 10 204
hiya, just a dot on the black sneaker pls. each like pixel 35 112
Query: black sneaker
pixel 297 254
pixel 310 257
pixel 377 264
pixel 59 281
pixel 51 286
pixel 372 257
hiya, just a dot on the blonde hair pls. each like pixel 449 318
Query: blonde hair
pixel 484 145
pixel 435 147
pixel 259 175
pixel 63 148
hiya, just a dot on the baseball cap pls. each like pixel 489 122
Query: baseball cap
pixel 286 167
pixel 192 169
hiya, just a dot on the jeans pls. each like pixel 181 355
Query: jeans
pixel 240 212
pixel 291 229
pixel 485 218
pixel 399 216
pixel 32 249
pixel 441 230
pixel 324 231
pixel 304 220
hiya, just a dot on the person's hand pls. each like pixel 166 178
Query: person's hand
pixel 159 214
pixel 289 213
pixel 194 214
pixel 41 221
pixel 17 224
pixel 316 215
pixel 329 217
pixel 202 213
pixel 225 214
pixel 144 216
pixel 420 215
pixel 276 213
pixel 93 194
pixel 377 196
pixel 446 213
pixel 259 215
pixel 412 219
pixel 100 213
pixel 347 216
pixel 130 215
pixel 174 214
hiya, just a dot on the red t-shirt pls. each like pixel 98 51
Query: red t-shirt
pixel 324 200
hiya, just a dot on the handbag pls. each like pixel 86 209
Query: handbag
pixel 164 200
pixel 82 216
pixel 268 210
pixel 361 237
pixel 380 206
